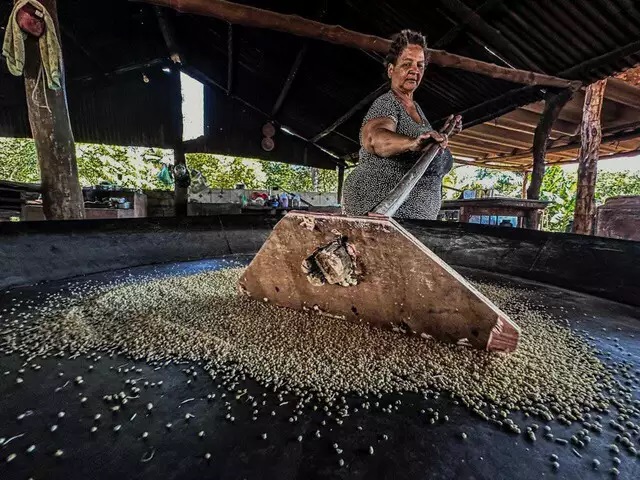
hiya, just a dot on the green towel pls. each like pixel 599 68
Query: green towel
pixel 50 53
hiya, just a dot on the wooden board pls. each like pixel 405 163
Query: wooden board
pixel 399 281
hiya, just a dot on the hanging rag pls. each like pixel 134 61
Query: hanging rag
pixel 50 52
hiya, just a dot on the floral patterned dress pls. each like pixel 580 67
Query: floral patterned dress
pixel 374 177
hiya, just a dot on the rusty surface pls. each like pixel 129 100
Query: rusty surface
pixel 398 281
pixel 619 217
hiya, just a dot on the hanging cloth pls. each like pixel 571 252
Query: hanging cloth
pixel 50 52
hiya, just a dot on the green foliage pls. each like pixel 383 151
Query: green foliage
pixel 559 188
pixel 505 183
pixel 129 167
pixel 295 178
pixel 19 160
pixel 224 173
pixel 138 168
pixel 613 184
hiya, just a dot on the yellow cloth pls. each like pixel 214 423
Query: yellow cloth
pixel 50 52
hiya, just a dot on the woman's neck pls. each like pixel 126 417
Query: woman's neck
pixel 405 97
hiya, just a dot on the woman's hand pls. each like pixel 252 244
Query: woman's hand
pixel 424 140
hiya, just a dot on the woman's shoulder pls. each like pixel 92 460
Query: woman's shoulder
pixel 385 105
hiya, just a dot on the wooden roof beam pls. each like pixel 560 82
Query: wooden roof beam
pixel 499 133
pixel 452 34
pixel 169 35
pixel 98 66
pixel 487 33
pixel 230 60
pixel 351 112
pixel 499 142
pixel 259 18
pixel 293 72
pixel 621 92
pixel 204 78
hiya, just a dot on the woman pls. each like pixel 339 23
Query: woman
pixel 394 133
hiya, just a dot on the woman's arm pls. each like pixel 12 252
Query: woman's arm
pixel 379 137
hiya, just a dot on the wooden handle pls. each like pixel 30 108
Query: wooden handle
pixel 396 197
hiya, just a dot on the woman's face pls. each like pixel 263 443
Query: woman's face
pixel 407 73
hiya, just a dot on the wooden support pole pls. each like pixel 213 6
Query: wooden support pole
pixel 51 129
pixel 591 132
pixel 525 178
pixel 169 36
pixel 340 183
pixel 553 105
pixel 179 157
pixel 230 60
pixel 289 81
pixel 255 17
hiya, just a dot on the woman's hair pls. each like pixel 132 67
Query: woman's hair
pixel 400 41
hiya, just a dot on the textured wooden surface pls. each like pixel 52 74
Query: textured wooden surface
pixel 400 281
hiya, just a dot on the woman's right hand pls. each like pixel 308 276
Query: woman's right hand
pixel 424 140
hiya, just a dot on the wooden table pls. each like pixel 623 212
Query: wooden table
pixel 528 212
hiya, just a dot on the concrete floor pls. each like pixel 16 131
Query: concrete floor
pixel 414 448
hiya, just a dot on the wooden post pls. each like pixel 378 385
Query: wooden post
pixel 180 193
pixel 553 105
pixel 51 129
pixel 524 184
pixel 340 183
pixel 591 134
pixel 230 60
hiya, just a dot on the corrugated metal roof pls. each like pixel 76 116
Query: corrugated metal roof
pixel 557 37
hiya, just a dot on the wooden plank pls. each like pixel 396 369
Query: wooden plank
pixel 591 134
pixel 259 18
pixel 383 265
pixel 51 129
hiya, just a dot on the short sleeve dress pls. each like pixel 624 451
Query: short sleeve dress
pixel 374 177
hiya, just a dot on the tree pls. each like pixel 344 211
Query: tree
pixel 19 160
pixel 559 188
pixel 297 178
pixel 222 172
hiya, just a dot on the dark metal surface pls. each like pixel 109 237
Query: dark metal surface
pixel 414 448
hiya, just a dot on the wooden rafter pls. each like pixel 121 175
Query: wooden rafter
pixel 293 72
pixel 169 36
pixel 259 18
pixel 459 26
pixel 351 112
pixel 205 79
pixel 513 98
pixel 230 60
pixel 487 33
pixel 68 33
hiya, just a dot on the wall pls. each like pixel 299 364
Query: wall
pixel 36 251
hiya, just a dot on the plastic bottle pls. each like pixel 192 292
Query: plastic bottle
pixel 284 200
pixel 295 203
